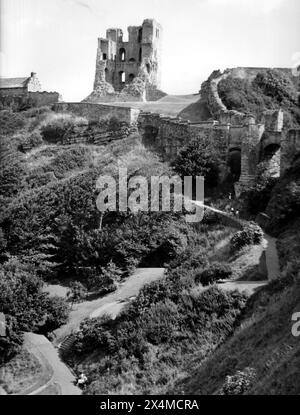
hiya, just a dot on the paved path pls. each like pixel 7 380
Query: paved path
pixel 111 303
pixel 61 374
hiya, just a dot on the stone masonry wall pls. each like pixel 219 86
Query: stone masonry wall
pixel 34 99
pixel 99 112
pixel 99 135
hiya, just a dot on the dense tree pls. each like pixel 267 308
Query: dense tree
pixel 25 305
pixel 199 158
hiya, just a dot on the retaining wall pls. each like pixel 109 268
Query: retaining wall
pixel 99 112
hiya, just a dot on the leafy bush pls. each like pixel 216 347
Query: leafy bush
pixel 56 126
pixel 270 89
pixel 284 203
pixel 11 177
pixel 159 336
pixel 250 235
pixel 257 197
pixel 215 272
pixel 30 141
pixel 94 333
pixel 106 279
pixel 25 305
pixel 199 158
pixel 240 382
pixel 77 292
pixel 11 122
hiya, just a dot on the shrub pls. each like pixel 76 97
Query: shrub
pixel 55 126
pixel 106 279
pixel 199 158
pixel 11 177
pixel 77 292
pixel 31 141
pixel 284 203
pixel 25 305
pixel 257 197
pixel 250 235
pixel 240 382
pixel 94 333
pixel 11 122
pixel 215 272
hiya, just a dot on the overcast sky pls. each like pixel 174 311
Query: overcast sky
pixel 58 38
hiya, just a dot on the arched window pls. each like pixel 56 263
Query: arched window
pixel 140 55
pixel 122 77
pixel 122 55
pixel 104 56
pixel 140 35
pixel 131 77
pixel 148 67
pixel 106 74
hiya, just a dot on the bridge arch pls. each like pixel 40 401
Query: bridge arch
pixel 234 163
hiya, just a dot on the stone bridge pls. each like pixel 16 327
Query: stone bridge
pixel 244 145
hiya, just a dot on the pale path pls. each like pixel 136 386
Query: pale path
pixel 61 374
pixel 111 303
pixel 272 258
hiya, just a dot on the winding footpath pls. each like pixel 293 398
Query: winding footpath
pixel 61 378
pixel 57 373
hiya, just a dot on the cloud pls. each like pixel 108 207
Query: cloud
pixel 80 3
pixel 258 6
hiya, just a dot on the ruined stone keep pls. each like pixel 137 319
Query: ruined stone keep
pixel 129 70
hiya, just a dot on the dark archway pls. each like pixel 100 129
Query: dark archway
pixel 234 164
pixel 149 136
pixel 122 54
pixel 106 74
pixel 148 67
pixel 140 55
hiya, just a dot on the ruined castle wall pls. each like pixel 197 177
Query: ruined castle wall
pixel 169 135
pixel 32 99
pixel 5 92
pixel 209 92
pixel 290 148
pixel 101 135
pixel 99 112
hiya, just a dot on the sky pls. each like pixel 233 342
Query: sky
pixel 58 38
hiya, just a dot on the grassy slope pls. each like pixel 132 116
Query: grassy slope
pixel 169 362
pixel 169 105
pixel 20 373
pixel 263 342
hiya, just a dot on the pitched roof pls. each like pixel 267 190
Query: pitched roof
pixel 13 82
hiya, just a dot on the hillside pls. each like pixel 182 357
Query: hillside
pixel 251 90
pixel 262 357
pixel 194 331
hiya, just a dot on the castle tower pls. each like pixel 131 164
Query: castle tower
pixel 118 63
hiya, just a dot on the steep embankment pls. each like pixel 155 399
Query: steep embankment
pixel 263 356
